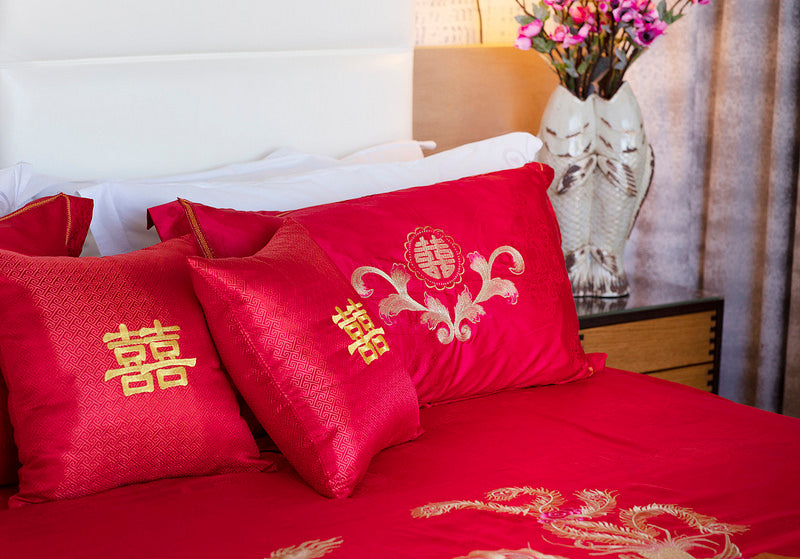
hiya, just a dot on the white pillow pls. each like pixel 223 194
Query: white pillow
pixel 20 184
pixel 119 223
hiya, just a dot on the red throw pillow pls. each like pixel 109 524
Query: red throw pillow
pixel 467 275
pixel 112 374
pixel 321 377
pixel 180 217
pixel 52 226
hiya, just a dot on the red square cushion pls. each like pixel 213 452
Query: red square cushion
pixel 52 226
pixel 468 276
pixel 112 374
pixel 232 232
pixel 324 381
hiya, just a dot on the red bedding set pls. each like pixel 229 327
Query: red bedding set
pixel 414 358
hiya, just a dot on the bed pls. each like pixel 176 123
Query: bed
pixel 292 334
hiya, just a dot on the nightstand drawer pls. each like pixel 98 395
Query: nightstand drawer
pixel 699 376
pixel 645 346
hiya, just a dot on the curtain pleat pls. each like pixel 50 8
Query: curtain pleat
pixel 725 132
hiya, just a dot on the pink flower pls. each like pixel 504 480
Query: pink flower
pixel 523 43
pixel 603 7
pixel 572 40
pixel 649 32
pixel 559 33
pixel 532 29
pixel 624 13
pixel 580 14
pixel 558 4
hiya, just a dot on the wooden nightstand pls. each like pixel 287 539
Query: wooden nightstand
pixel 662 330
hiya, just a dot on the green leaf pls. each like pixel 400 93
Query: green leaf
pixel 523 19
pixel 670 19
pixel 540 11
pixel 543 44
pixel 662 10
pixel 600 69
pixel 569 67
pixel 620 54
pixel 630 33
pixel 582 67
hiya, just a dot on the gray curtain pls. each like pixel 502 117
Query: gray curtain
pixel 720 100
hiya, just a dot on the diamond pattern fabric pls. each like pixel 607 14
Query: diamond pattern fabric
pixel 327 408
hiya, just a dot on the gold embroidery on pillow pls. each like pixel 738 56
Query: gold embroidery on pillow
pixel 526 553
pixel 434 257
pixel 130 349
pixel 308 550
pixel 434 312
pixel 652 531
pixel 367 340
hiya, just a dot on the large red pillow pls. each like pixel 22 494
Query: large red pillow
pixel 52 226
pixel 322 378
pixel 467 275
pixel 113 377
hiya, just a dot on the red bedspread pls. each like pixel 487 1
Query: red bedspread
pixel 618 465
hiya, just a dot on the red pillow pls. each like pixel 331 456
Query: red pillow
pixel 180 217
pixel 467 275
pixel 112 374
pixel 323 380
pixel 53 226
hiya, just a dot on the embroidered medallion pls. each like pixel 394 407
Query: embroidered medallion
pixel 434 257
pixel 137 366
pixel 435 314
pixel 652 531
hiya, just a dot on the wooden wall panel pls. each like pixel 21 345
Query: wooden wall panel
pixel 468 93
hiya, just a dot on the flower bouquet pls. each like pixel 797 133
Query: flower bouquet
pixel 592 128
pixel 592 43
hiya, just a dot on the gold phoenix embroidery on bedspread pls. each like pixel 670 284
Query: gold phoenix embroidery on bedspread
pixel 435 258
pixel 130 349
pixel 367 340
pixel 638 532
pixel 308 550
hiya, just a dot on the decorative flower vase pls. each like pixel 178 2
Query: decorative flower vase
pixel 603 168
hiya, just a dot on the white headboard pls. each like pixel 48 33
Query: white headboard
pixel 121 88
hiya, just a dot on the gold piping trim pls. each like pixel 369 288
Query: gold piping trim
pixel 194 225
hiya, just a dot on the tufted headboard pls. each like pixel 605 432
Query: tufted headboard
pixel 99 88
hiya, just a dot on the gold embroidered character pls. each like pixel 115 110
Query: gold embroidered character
pixel 367 340
pixel 435 257
pixel 130 349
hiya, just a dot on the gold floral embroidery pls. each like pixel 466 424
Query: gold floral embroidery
pixel 434 313
pixel 367 340
pixel 309 550
pixel 509 554
pixel 130 349
pixel 653 531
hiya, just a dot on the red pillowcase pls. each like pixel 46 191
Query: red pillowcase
pixel 467 275
pixel 236 233
pixel 323 379
pixel 112 374
pixel 52 226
